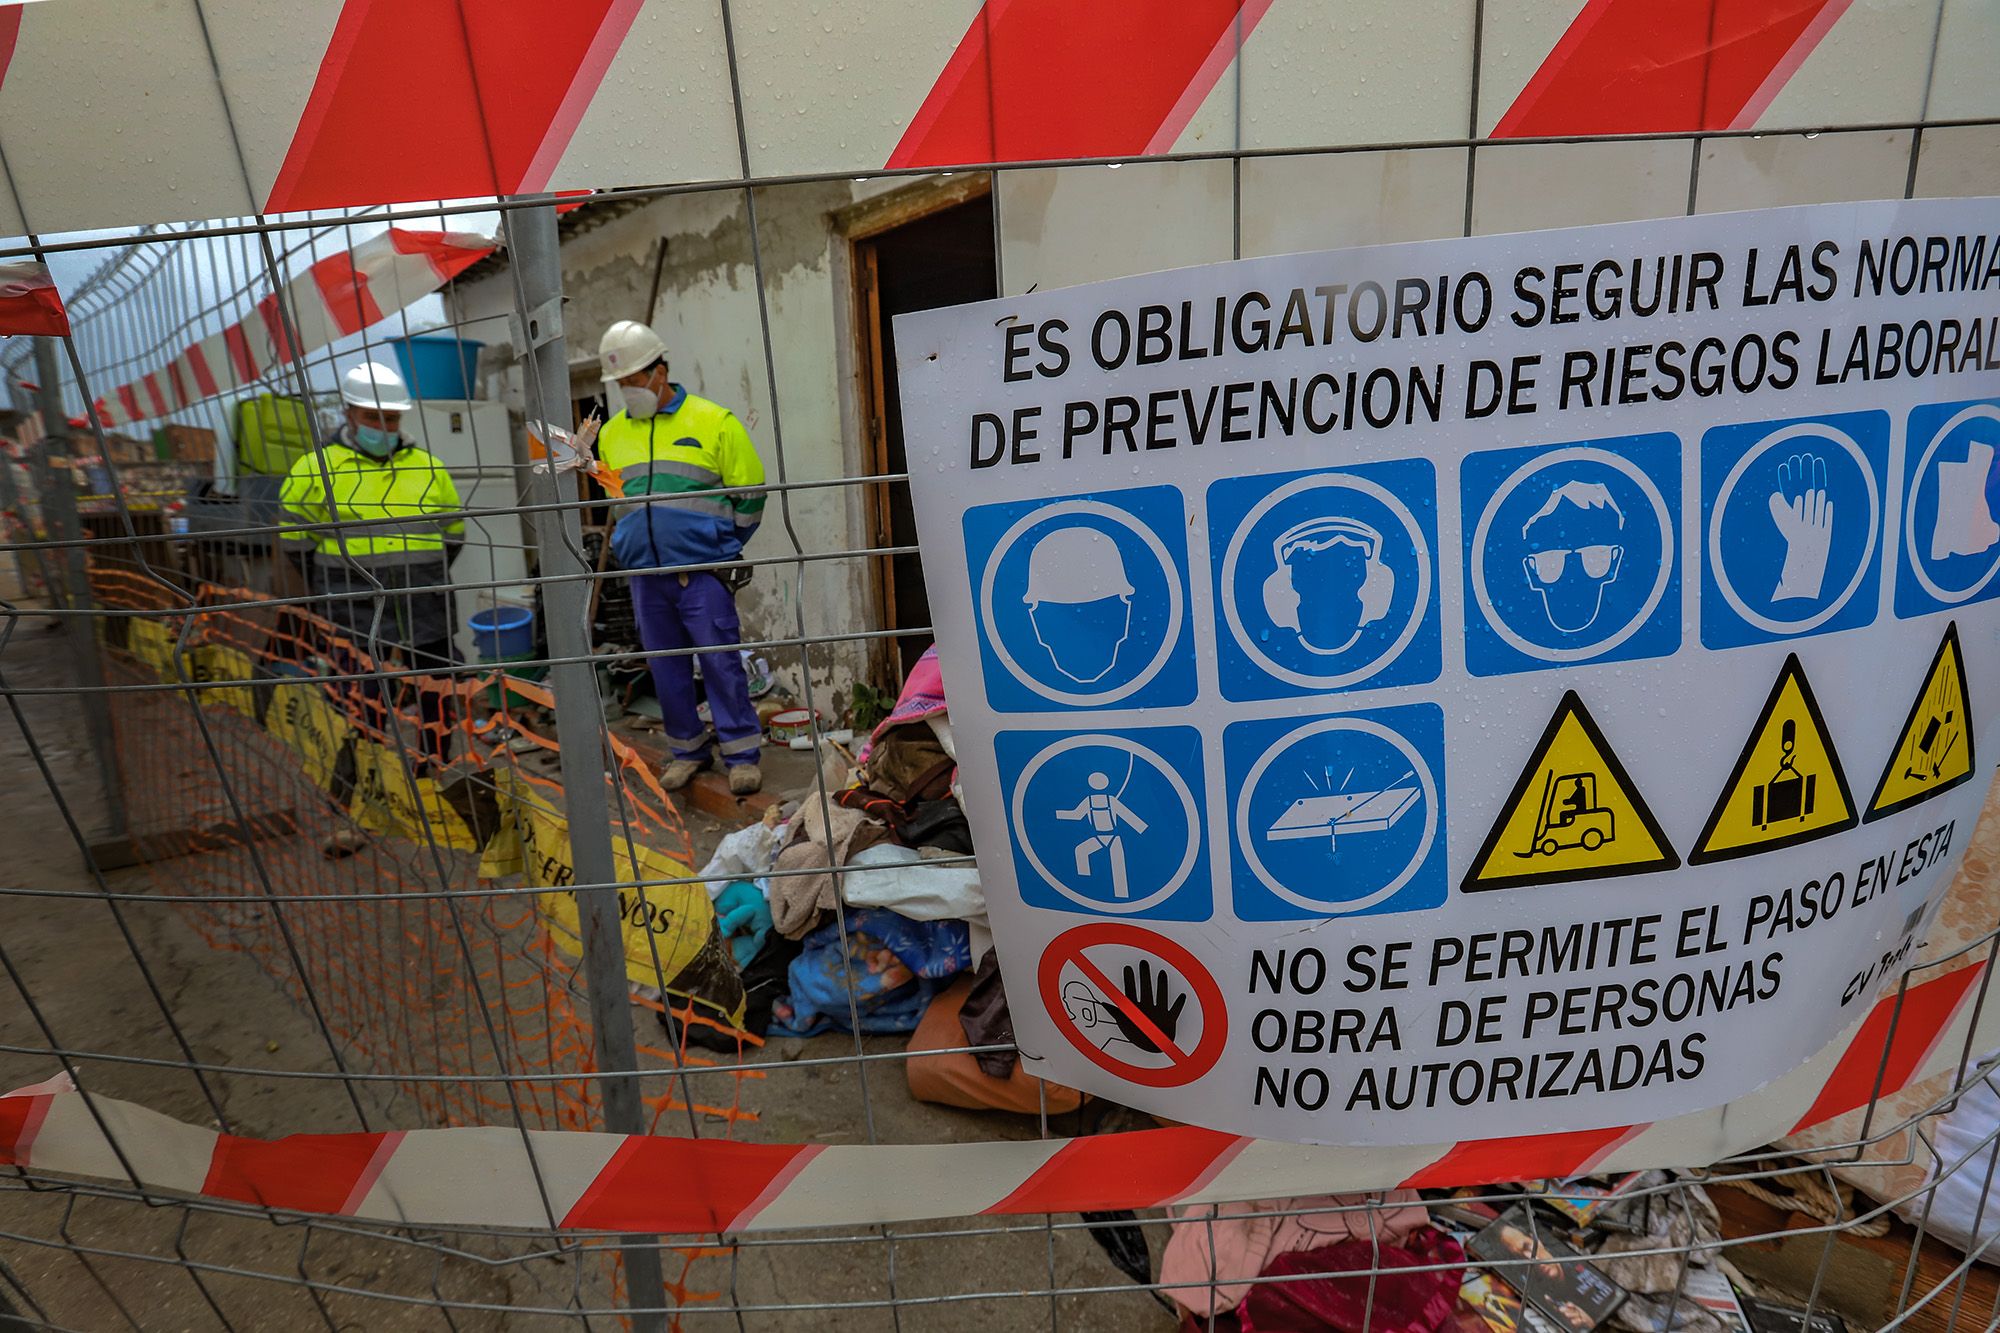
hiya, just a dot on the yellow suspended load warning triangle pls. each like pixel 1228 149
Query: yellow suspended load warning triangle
pixel 1574 814
pixel 1787 786
pixel 1933 751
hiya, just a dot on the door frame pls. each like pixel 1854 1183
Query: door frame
pixel 864 224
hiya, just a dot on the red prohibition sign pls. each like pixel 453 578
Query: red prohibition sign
pixel 1186 1066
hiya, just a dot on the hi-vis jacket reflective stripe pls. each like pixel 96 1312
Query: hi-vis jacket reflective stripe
pixel 386 510
pixel 693 458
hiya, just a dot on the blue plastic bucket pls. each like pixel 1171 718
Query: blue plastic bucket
pixel 503 633
pixel 438 365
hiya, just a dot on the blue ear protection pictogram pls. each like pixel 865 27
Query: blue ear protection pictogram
pixel 1378 584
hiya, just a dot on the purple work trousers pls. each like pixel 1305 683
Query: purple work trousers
pixel 697 611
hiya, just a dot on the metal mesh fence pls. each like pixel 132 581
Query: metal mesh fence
pixel 278 869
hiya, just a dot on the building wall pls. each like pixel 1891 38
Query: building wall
pixel 1065 225
pixel 708 313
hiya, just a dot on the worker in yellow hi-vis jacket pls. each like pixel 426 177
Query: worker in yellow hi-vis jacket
pixel 373 519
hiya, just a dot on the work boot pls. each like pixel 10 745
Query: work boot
pixel 679 772
pixel 745 779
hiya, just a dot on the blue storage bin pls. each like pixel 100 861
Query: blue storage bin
pixel 438 365
pixel 503 633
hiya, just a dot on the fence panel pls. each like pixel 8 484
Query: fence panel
pixel 366 975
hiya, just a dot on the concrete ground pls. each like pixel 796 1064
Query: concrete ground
pixel 81 977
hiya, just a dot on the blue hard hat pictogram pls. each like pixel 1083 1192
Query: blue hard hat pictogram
pixel 1081 602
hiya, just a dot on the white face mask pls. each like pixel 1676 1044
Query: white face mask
pixel 640 402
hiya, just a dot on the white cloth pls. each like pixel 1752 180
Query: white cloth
pixel 748 853
pixel 1967 1174
pixel 899 879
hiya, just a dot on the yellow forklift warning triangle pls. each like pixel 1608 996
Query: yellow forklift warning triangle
pixel 1933 751
pixel 1574 814
pixel 1787 786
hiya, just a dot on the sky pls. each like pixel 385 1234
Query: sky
pixel 205 265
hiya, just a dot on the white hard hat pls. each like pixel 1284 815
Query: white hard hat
pixel 627 348
pixel 1073 565
pixel 372 384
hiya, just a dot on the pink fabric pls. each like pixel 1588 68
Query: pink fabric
pixel 1247 1236
pixel 923 695
pixel 1383 1301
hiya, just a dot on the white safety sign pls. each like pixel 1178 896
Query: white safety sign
pixel 1470 688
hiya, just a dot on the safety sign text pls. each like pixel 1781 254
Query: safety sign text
pixel 1475 687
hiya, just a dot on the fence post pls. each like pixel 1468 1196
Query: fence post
pixel 532 241
pixel 70 586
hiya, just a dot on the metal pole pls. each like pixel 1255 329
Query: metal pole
pixel 73 590
pixel 532 243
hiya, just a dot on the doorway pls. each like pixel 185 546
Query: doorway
pixel 941 256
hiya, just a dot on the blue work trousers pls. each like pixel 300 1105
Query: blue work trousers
pixel 697 611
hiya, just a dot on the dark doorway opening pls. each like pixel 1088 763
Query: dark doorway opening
pixel 937 258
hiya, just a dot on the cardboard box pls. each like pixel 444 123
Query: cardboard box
pixel 184 444
pixel 123 449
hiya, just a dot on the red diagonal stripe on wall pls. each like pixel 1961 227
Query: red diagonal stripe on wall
pixel 1891 1043
pixel 10 33
pixel 1038 79
pixel 1661 66
pixel 445 99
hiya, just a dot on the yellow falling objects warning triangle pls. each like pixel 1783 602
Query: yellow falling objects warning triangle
pixel 1787 786
pixel 1933 751
pixel 1574 814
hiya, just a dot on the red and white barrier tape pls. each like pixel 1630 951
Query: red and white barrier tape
pixel 29 302
pixel 341 294
pixel 484 1177
pixel 307 87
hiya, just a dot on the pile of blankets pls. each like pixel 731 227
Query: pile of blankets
pixel 894 850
